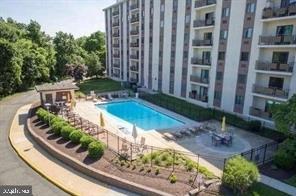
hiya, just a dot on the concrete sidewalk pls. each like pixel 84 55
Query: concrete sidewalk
pixel 55 171
pixel 276 184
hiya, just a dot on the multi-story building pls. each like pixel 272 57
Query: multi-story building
pixel 234 55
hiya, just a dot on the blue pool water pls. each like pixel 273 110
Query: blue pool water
pixel 136 113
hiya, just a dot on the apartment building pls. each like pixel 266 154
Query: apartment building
pixel 233 55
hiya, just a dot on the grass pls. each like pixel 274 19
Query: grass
pixel 291 181
pixel 98 85
pixel 260 189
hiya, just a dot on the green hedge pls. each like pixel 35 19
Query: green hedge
pixel 85 140
pixel 95 149
pixel 75 136
pixel 199 113
pixel 285 157
pixel 66 131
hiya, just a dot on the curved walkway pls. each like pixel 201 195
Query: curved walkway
pixel 13 171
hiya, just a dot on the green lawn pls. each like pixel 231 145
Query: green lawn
pixel 260 189
pixel 99 85
pixel 291 181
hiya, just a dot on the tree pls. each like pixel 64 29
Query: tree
pixel 94 65
pixel 284 115
pixel 75 71
pixel 10 69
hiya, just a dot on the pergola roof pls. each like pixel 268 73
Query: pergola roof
pixel 58 86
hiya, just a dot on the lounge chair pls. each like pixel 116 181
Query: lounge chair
pixel 185 132
pixel 194 130
pixel 169 136
pixel 110 97
pixel 177 134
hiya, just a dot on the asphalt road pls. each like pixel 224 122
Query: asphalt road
pixel 13 171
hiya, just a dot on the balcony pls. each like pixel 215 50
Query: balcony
pixel 204 42
pixel 278 12
pixel 281 67
pixel 116 75
pixel 197 97
pixel 115 24
pixel 116 55
pixel 134 6
pixel 203 23
pixel 135 18
pixel 115 13
pixel 277 40
pixel 132 56
pixel 197 79
pixel 134 44
pixel 260 113
pixel 271 91
pixel 115 45
pixel 134 32
pixel 134 80
pixel 115 34
pixel 116 65
pixel 197 61
pixel 134 68
pixel 203 3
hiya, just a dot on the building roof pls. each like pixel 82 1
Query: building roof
pixel 64 85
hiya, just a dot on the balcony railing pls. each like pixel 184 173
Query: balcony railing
pixel 134 6
pixel 117 65
pixel 260 113
pixel 277 40
pixel 202 3
pixel 117 75
pixel 194 78
pixel 279 12
pixel 271 91
pixel 134 32
pixel 134 68
pixel 197 61
pixel 203 23
pixel 115 34
pixel 135 18
pixel 115 12
pixel 135 80
pixel 203 42
pixel 115 24
pixel 198 97
pixel 134 56
pixel 134 44
pixel 267 66
pixel 116 55
pixel 115 45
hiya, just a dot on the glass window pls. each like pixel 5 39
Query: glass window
pixel 250 8
pixel 217 94
pixel 239 100
pixel 221 56
pixel 284 30
pixel 244 56
pixel 187 19
pixel 219 76
pixel 242 78
pixel 280 57
pixel 247 32
pixel 225 12
pixel 223 34
pixel 275 82
pixel 161 23
pixel 162 8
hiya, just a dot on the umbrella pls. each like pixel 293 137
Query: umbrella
pixel 135 132
pixel 102 121
pixel 223 127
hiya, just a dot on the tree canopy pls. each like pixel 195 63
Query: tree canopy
pixel 28 56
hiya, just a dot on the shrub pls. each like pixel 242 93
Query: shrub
pixel 56 119
pixel 66 131
pixel 285 157
pixel 240 174
pixel 164 156
pixel 148 170
pixel 75 136
pixel 189 165
pixel 95 149
pixel 173 178
pixel 85 140
pixel 157 160
pixel 41 113
pixel 254 125
pixel 145 160
pixel 157 171
pixel 57 126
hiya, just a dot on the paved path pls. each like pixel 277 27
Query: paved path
pixel 12 169
pixel 276 184
pixel 61 174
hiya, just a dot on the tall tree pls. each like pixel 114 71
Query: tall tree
pixel 94 65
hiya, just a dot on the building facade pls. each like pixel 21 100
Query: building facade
pixel 233 55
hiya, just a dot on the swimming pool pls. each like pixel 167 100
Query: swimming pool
pixel 137 113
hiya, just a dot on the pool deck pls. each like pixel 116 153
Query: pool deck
pixel 211 157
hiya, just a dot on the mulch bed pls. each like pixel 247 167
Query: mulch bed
pixel 109 164
pixel 279 174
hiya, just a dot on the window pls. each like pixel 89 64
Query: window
pixel 244 56
pixel 161 23
pixel 225 12
pixel 242 78
pixel 162 8
pixel 247 32
pixel 223 34
pixel 217 95
pixel 276 82
pixel 219 76
pixel 250 8
pixel 239 100
pixel 187 19
pixel 280 57
pixel 221 56
pixel 284 30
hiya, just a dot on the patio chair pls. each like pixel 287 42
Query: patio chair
pixel 227 140
pixel 185 132
pixel 216 140
pixel 177 134
pixel 169 136
pixel 194 130
pixel 110 97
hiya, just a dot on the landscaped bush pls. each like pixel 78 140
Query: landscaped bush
pixel 95 149
pixel 173 178
pixel 66 131
pixel 254 125
pixel 85 140
pixel 240 174
pixel 285 157
pixel 57 126
pixel 56 119
pixel 44 115
pixel 75 136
